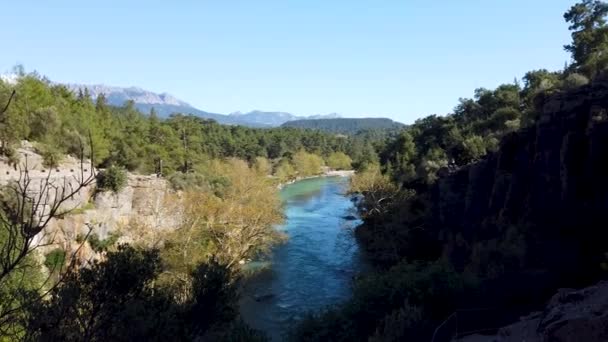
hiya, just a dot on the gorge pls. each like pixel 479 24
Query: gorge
pixel 121 221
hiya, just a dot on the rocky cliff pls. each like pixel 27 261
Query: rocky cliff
pixel 141 212
pixel 551 178
pixel 570 315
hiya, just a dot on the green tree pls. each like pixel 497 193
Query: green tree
pixel 339 161
pixel 473 148
pixel 285 171
pixel 113 178
pixel 380 194
pixel 434 160
pixel 307 164
pixel 589 36
pixel 403 165
pixel 263 166
pixel 113 300
pixel 575 80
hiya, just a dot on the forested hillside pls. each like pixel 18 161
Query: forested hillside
pixel 496 205
pixel 346 126
pixel 181 286
pixel 59 122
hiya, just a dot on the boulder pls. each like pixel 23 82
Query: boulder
pixel 576 315
pixel 570 316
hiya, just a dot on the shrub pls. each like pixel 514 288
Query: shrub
pixel 339 161
pixel 51 156
pixel 262 165
pixel 285 171
pixel 55 259
pixel 574 81
pixel 307 164
pixel 113 178
pixel 473 148
pixel 102 245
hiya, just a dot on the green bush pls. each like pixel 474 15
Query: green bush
pixel 119 299
pixel 339 161
pixel 51 156
pixel 102 245
pixel 574 81
pixel 55 259
pixel 113 178
pixel 307 164
pixel 285 171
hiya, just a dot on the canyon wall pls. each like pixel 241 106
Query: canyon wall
pixel 141 212
pixel 551 177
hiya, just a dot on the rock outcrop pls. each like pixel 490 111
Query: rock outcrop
pixel 141 212
pixel 552 176
pixel 570 316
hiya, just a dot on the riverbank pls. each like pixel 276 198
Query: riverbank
pixel 325 173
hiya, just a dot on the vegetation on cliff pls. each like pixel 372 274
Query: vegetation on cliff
pixel 493 206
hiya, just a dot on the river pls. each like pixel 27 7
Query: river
pixel 315 267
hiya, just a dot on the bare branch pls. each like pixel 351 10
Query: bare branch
pixel 8 103
pixel 28 207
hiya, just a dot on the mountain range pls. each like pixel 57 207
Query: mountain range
pixel 166 104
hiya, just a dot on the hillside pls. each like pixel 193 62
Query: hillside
pixel 504 232
pixel 345 125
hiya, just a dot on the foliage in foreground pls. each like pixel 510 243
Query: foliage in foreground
pixel 418 294
pixel 118 300
pixel 229 217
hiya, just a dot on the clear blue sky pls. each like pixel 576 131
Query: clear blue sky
pixel 401 59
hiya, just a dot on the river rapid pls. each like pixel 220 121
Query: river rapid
pixel 316 265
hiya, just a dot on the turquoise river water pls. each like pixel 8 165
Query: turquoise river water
pixel 316 265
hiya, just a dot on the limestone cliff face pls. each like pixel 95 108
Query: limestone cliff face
pixel 552 176
pixel 140 212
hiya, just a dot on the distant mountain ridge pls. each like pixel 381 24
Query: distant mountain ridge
pixel 276 118
pixel 138 95
pixel 166 104
pixel 345 125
